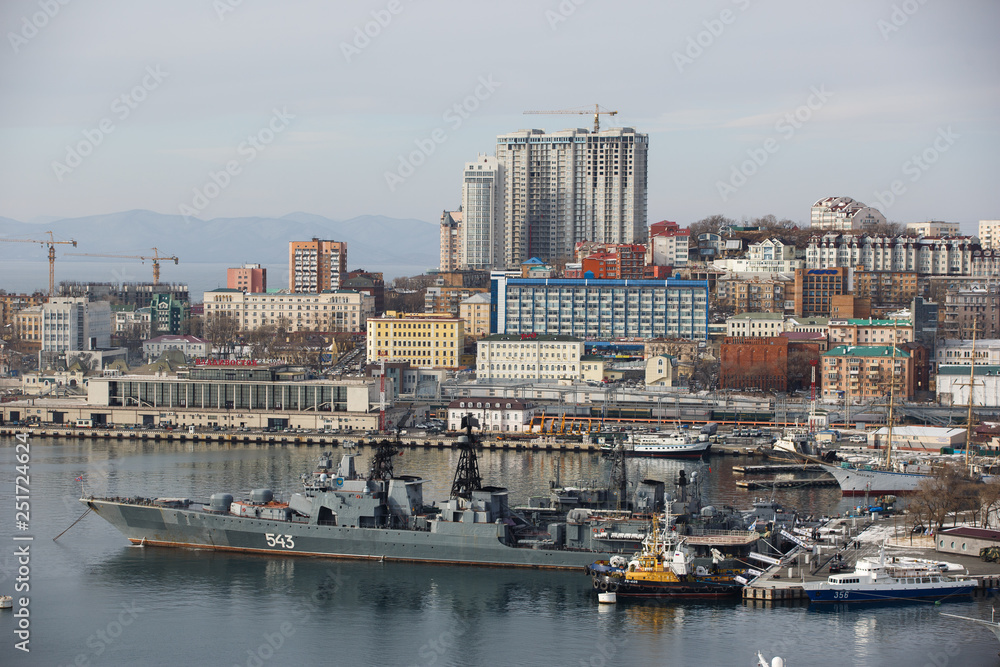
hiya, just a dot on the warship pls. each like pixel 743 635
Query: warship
pixel 382 516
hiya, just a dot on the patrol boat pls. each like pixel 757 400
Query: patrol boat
pixel 381 516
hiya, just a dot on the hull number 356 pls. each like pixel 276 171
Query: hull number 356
pixel 285 541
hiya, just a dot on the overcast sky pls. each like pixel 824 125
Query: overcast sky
pixel 752 107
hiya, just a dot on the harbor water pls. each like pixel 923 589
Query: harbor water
pixel 96 600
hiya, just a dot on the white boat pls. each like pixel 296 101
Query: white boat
pixel 674 444
pixel 6 602
pixel 859 479
pixel 776 661
pixel 884 579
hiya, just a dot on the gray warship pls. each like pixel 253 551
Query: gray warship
pixel 382 516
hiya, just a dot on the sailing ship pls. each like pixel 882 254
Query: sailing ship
pixel 899 477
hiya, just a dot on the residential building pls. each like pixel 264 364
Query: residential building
pixel 849 307
pixel 249 278
pixel 316 266
pixel 661 371
pixel 973 307
pixel 869 332
pixel 74 323
pixel 168 315
pixel 844 214
pixel 421 339
pixel 952 351
pixel 528 357
pixel 798 324
pixel 536 268
pixel 925 256
pixel 451 288
pixel 668 244
pixel 130 320
pixel 933 228
pixel 28 325
pixel 475 312
pixel 569 186
pixel 326 311
pixel 618 262
pixel 11 304
pixel 494 415
pixel 989 234
pixel 924 315
pixel 754 363
pixel 191 347
pixel 368 282
pixel 862 373
pixel 600 309
pixel 953 385
pixel 885 288
pixel 815 289
pixel 753 295
pixel 481 231
pixel 767 256
pixel 755 325
pixel 986 264
pixel 451 240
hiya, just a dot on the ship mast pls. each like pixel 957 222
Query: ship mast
pixel 467 478
pixel 892 386
pixel 972 382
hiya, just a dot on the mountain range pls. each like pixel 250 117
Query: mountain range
pixel 376 243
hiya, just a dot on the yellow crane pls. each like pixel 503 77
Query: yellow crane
pixel 581 112
pixel 156 260
pixel 51 243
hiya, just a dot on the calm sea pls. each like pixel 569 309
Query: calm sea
pixel 95 600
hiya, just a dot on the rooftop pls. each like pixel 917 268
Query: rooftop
pixel 963 369
pixel 758 316
pixel 866 351
pixel 532 337
pixel 872 323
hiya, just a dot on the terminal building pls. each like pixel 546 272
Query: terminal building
pixel 226 396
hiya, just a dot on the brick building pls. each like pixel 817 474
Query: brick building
pixel 815 289
pixel 754 363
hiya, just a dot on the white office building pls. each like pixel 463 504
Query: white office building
pixel 528 357
pixel 569 186
pixel 74 323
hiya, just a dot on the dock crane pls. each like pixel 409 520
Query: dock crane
pixel 581 112
pixel 156 260
pixel 51 243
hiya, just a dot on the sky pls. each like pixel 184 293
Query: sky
pixel 223 108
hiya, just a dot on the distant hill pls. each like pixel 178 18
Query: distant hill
pixel 373 242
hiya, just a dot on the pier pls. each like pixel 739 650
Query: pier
pixel 778 467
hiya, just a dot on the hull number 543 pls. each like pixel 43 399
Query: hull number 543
pixel 285 541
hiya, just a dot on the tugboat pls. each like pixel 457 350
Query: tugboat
pixel 664 569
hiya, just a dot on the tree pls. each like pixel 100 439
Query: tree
pixel 704 375
pixel 222 330
pixel 947 491
pixel 710 225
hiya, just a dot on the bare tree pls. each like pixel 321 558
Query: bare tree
pixel 943 493
pixel 223 331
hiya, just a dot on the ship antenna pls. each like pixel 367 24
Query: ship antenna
pixel 618 482
pixel 467 478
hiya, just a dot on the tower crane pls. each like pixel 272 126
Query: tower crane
pixel 51 243
pixel 581 112
pixel 156 260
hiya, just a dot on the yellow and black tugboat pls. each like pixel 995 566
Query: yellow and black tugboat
pixel 664 569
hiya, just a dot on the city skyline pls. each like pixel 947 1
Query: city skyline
pixel 343 111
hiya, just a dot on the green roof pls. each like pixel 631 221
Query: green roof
pixel 866 351
pixel 963 369
pixel 879 323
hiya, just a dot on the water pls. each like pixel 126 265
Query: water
pixel 95 600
